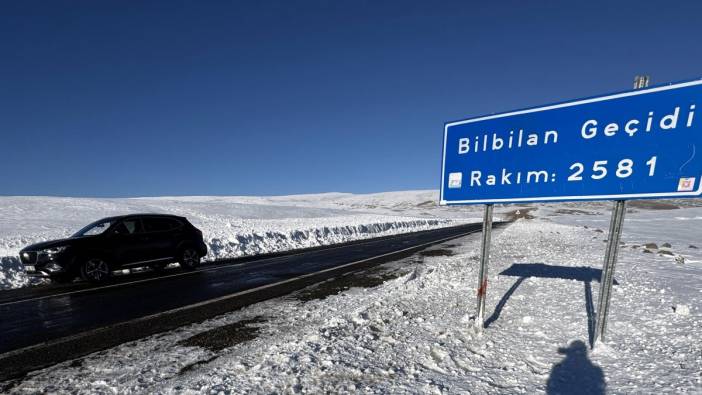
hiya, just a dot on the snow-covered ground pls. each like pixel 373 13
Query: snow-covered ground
pixel 412 334
pixel 232 226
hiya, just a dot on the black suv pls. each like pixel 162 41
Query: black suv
pixel 114 243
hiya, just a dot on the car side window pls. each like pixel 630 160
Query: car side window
pixel 128 227
pixel 159 224
pixel 133 226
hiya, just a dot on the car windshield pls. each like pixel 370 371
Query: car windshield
pixel 96 227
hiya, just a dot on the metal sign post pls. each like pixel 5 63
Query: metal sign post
pixel 484 258
pixel 615 232
pixel 610 261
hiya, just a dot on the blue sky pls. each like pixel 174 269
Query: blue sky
pixel 114 98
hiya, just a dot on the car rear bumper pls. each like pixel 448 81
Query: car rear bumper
pixel 202 248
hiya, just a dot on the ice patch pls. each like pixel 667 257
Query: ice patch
pixel 682 310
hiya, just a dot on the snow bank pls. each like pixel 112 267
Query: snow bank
pixel 255 237
pixel 413 334
pixel 232 226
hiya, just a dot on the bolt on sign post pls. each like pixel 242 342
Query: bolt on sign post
pixel 638 144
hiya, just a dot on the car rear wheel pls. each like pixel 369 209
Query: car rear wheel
pixel 95 270
pixel 189 258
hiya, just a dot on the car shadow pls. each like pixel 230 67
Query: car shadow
pixel 576 374
pixel 578 273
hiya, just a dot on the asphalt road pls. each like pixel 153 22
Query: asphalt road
pixel 45 325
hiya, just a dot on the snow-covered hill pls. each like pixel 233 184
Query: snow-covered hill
pixel 232 226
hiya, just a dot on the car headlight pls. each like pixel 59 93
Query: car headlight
pixel 55 250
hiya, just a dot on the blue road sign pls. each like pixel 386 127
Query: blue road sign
pixel 631 145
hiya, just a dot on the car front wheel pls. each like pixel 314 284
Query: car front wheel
pixel 189 259
pixel 95 270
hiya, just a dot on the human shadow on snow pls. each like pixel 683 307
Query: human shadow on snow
pixel 526 270
pixel 575 374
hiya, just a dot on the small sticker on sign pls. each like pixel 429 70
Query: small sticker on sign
pixel 686 184
pixel 455 180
